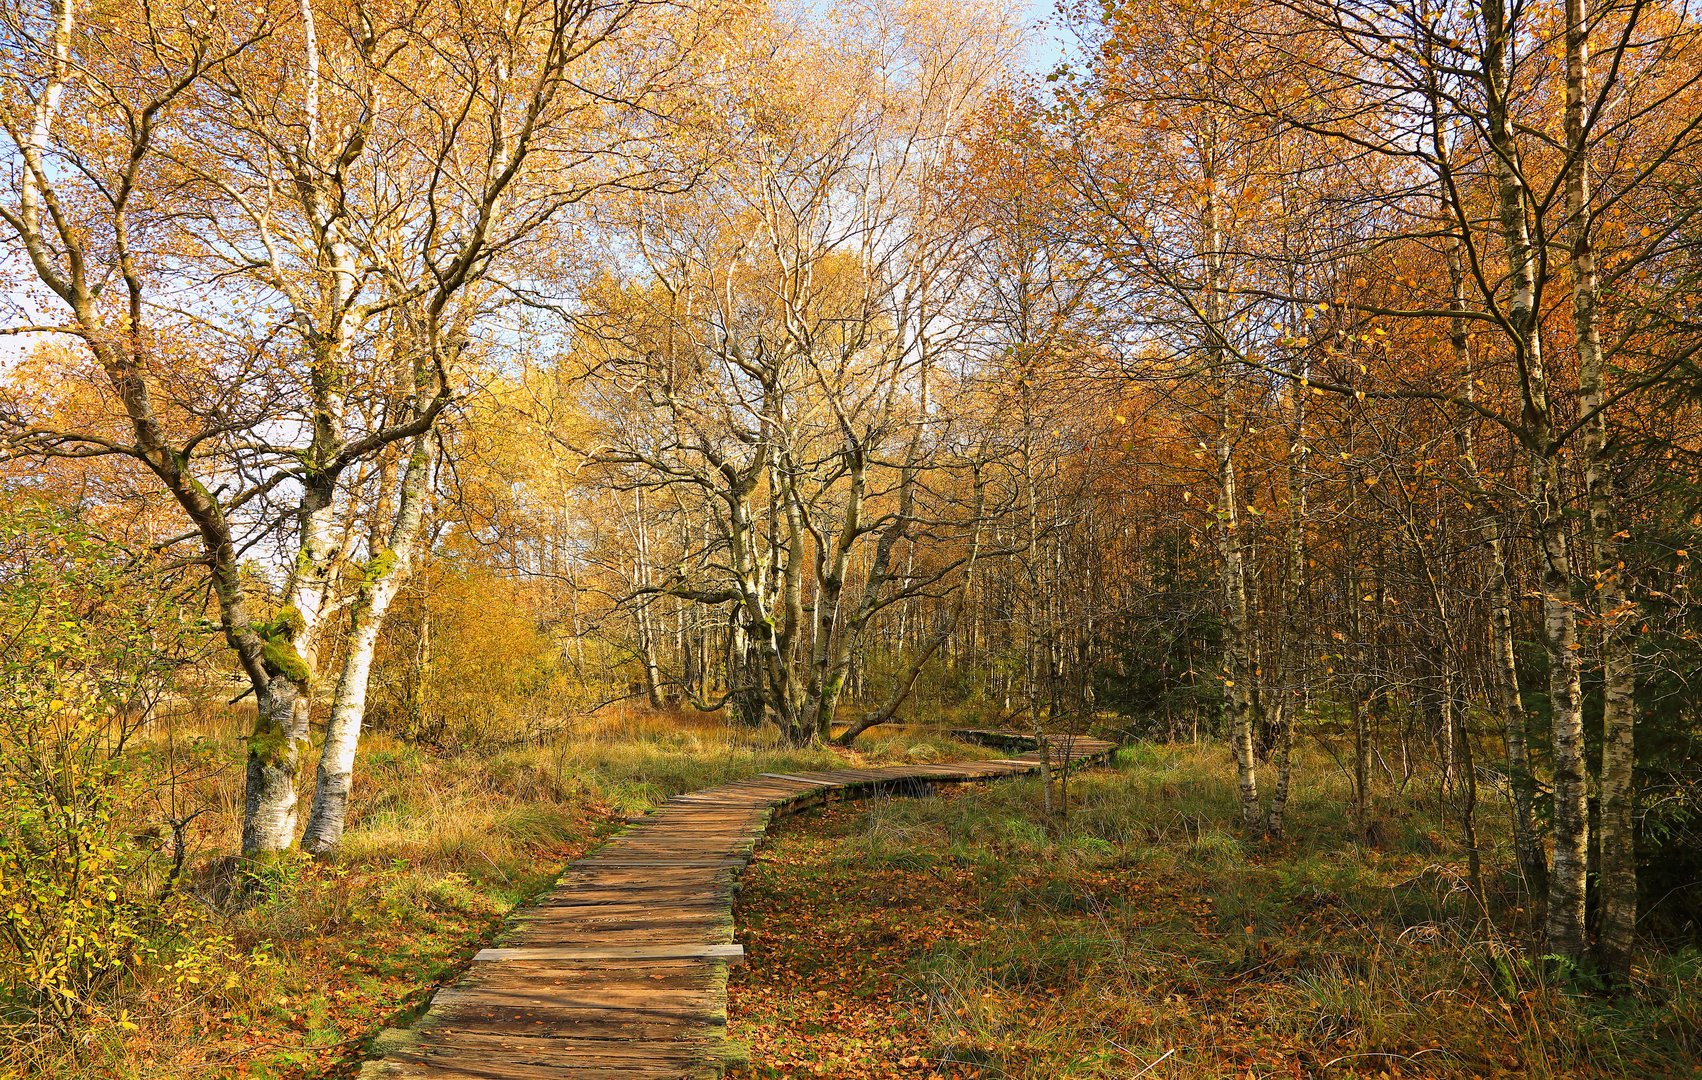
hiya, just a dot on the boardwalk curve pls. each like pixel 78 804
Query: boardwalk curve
pixel 621 970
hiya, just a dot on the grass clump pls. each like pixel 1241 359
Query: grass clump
pixel 1143 935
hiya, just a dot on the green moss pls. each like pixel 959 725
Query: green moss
pixel 282 659
pixel 288 622
pixel 267 744
pixel 380 565
pixel 279 652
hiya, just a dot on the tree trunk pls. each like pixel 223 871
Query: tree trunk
pixel 274 763
pixel 1533 860
pixel 384 576
pixel 1358 708
pixel 1239 704
pixel 1565 922
pixel 1616 836
pixel 1287 712
pixel 1566 926
pixel 1237 691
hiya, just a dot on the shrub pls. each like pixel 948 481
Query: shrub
pixel 85 900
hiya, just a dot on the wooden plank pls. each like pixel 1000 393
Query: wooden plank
pixel 604 863
pixel 687 951
pixel 802 779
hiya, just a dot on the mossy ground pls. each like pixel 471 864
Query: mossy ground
pixel 969 935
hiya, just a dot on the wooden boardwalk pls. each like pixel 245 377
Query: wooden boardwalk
pixel 621 971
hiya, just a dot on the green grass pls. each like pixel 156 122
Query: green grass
pixel 1144 933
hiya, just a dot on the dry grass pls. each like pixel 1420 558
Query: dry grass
pixel 1144 937
pixel 441 846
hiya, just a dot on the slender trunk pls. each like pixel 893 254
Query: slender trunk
pixel 1533 860
pixel 797 722
pixel 1566 927
pixel 1287 712
pixel 334 778
pixel 1468 798
pixel 645 617
pixel 1284 715
pixel 384 576
pixel 1362 688
pixel 1565 921
pixel 1616 836
pixel 647 656
pixel 1358 709
pixel 1239 705
pixel 1237 666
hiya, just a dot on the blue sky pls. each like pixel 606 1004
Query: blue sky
pixel 1045 48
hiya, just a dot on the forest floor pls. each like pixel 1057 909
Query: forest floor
pixel 964 935
pixel 442 846
pixel 971 935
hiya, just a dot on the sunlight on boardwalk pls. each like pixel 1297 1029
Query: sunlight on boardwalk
pixel 621 971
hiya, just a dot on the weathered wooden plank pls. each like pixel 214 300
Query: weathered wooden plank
pixel 398 1070
pixel 810 780
pixel 628 1016
pixel 534 1048
pixel 686 951
pixel 559 976
pixel 658 864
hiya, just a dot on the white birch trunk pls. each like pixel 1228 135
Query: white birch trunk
pixel 385 574
pixel 1616 838
pixel 1565 920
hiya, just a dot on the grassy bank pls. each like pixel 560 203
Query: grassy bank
pixel 968 936
pixel 292 982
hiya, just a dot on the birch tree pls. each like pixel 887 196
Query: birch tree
pixel 778 363
pixel 328 197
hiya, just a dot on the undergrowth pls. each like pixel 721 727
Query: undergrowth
pixel 1143 936
pixel 310 959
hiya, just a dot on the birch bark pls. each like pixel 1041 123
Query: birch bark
pixel 1565 920
pixel 1616 835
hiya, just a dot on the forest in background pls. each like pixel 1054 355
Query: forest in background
pixel 571 402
